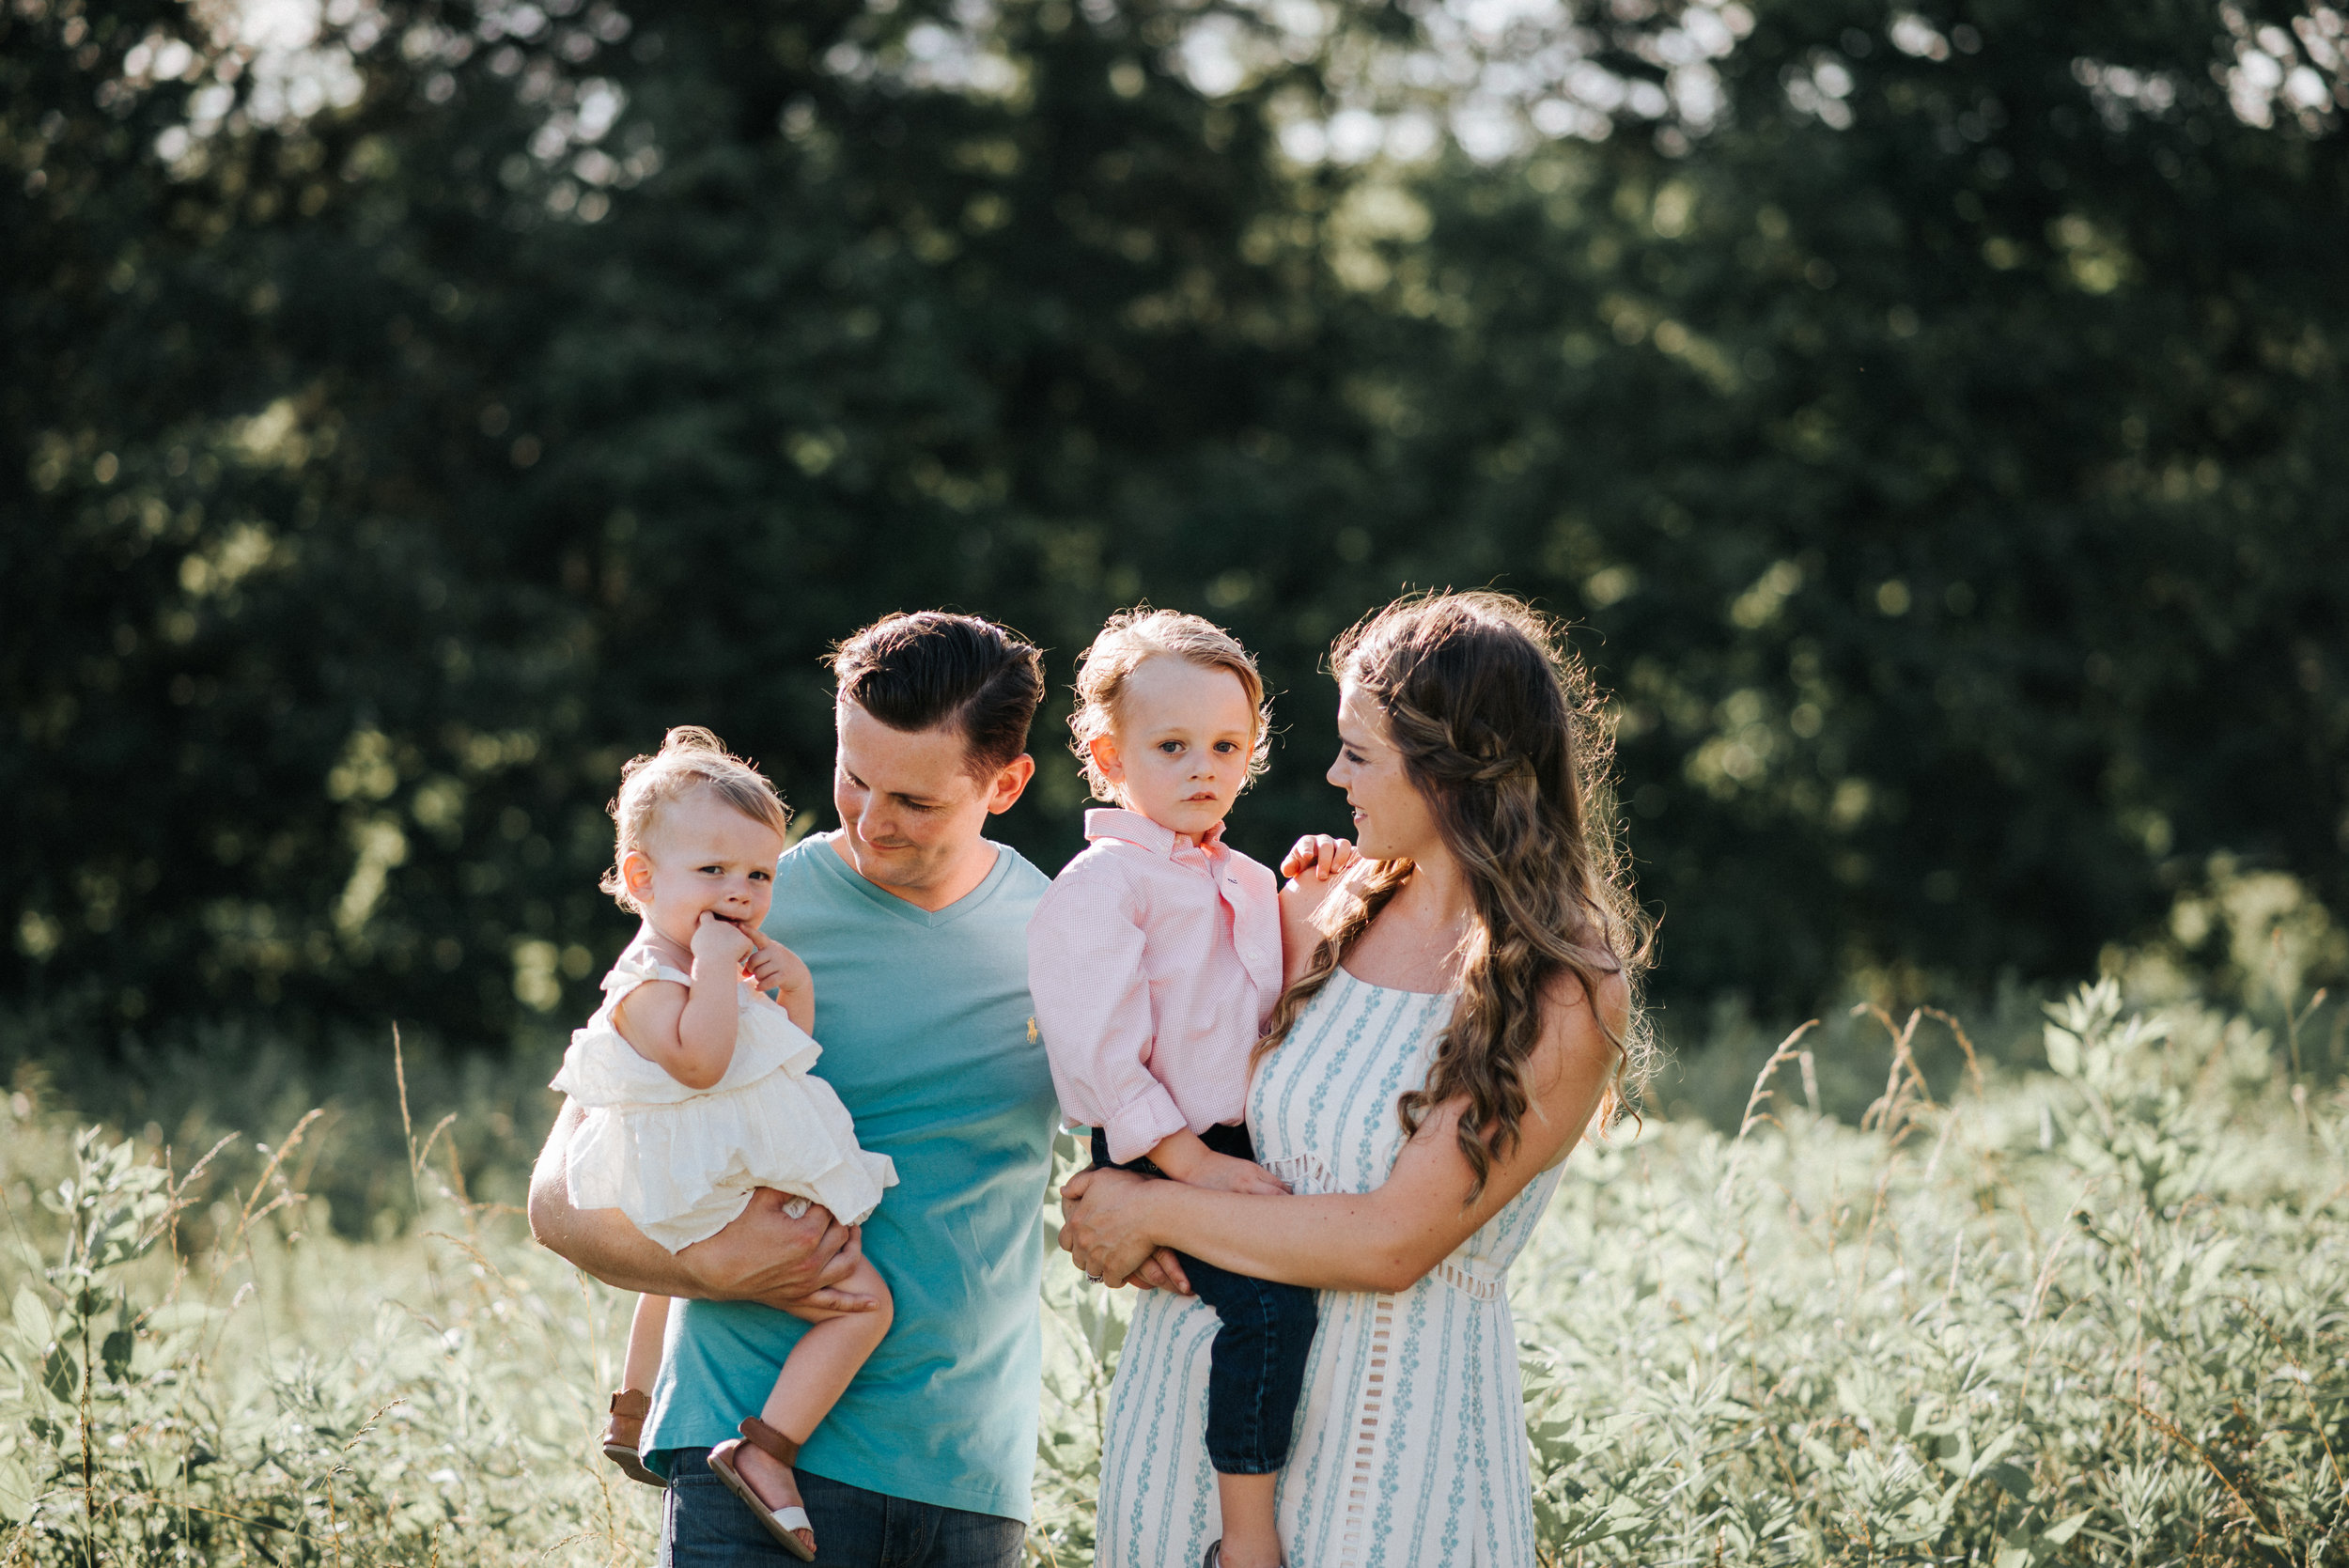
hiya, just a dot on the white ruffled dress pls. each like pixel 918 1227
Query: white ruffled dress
pixel 681 1162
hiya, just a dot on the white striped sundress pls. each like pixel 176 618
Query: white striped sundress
pixel 1410 1448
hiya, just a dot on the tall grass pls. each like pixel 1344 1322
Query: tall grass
pixel 277 1394
pixel 2086 1315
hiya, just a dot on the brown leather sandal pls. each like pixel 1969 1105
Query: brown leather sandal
pixel 782 1523
pixel 622 1432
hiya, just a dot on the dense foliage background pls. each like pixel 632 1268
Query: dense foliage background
pixel 1933 421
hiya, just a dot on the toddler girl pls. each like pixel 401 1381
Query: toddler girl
pixel 1154 960
pixel 696 1090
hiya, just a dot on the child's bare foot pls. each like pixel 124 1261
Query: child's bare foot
pixel 766 1483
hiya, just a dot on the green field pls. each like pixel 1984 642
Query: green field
pixel 2085 1316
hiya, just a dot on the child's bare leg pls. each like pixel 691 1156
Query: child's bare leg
pixel 624 1429
pixel 814 1376
pixel 646 1331
pixel 1251 1538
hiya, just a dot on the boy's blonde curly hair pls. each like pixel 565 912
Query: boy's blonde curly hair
pixel 1128 638
pixel 689 758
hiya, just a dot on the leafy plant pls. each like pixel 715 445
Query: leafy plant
pixel 2084 1317
pixel 283 1396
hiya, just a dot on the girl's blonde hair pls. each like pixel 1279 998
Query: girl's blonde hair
pixel 1502 733
pixel 689 758
pixel 1128 638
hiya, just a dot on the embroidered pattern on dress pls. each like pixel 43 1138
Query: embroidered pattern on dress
pixel 1303 1175
pixel 1353 1532
pixel 1462 1275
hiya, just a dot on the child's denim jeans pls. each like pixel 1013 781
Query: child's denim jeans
pixel 1257 1367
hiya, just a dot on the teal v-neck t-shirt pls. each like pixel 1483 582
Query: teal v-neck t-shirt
pixel 924 1021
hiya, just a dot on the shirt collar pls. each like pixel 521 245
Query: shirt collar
pixel 1135 829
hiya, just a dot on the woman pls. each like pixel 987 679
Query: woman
pixel 1460 1007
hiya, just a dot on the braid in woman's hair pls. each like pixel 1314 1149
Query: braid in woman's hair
pixel 1502 735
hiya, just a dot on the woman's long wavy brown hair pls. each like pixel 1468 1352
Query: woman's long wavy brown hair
pixel 1503 732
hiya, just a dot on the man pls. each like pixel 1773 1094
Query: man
pixel 915 928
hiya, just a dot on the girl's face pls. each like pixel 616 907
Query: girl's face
pixel 1178 747
pixel 1393 820
pixel 702 855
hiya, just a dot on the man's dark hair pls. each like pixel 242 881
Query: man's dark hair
pixel 917 672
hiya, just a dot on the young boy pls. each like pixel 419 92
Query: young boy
pixel 1154 960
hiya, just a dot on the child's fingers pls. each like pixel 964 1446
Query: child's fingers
pixel 1255 1178
pixel 1160 1271
pixel 1306 854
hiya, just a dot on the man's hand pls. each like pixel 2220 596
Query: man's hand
pixel 766 1256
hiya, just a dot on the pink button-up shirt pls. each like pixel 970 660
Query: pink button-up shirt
pixel 1152 965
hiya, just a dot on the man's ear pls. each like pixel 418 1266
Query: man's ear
pixel 1005 791
pixel 636 875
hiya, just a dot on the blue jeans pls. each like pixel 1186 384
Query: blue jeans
pixel 1257 1364
pixel 705 1526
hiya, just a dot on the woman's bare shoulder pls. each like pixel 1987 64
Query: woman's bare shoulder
pixel 1302 902
pixel 1574 1022
pixel 1302 897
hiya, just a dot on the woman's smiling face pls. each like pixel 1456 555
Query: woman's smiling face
pixel 1393 820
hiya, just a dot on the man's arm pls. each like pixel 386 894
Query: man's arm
pixel 764 1255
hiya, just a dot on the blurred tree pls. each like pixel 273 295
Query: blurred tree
pixel 1934 436
pixel 1945 455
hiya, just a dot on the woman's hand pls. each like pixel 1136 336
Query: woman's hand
pixel 1319 855
pixel 1102 1230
